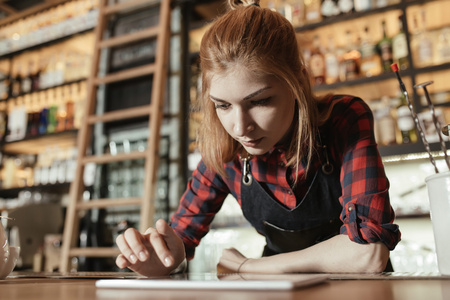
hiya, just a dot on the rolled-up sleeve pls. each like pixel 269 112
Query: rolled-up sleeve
pixel 367 214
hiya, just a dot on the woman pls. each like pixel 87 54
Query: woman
pixel 306 171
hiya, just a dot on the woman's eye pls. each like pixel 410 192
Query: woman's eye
pixel 261 102
pixel 221 106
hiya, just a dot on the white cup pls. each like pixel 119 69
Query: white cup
pixel 439 195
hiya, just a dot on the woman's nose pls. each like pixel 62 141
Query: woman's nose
pixel 242 124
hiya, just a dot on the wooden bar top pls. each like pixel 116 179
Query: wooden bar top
pixel 348 288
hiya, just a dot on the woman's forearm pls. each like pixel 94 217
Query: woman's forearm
pixel 336 255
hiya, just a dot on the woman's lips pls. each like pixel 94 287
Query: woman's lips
pixel 251 143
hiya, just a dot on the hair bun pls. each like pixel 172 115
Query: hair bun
pixel 234 4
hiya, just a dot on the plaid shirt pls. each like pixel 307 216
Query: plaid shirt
pixel 367 215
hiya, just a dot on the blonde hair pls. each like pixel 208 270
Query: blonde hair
pixel 264 42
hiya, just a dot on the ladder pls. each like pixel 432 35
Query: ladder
pixel 154 111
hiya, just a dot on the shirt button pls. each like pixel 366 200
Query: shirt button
pixel 281 164
pixel 289 192
pixel 350 208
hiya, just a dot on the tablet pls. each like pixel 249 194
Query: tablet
pixel 208 281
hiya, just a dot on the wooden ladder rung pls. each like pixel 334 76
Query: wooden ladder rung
pixel 122 114
pixel 103 203
pixel 126 74
pixel 129 5
pixel 94 252
pixel 129 38
pixel 108 158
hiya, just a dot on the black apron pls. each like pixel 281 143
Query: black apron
pixel 315 219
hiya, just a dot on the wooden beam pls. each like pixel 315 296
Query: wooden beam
pixel 30 11
pixel 8 9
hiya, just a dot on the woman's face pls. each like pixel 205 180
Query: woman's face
pixel 257 111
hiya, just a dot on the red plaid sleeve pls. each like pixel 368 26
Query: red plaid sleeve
pixel 202 199
pixel 367 214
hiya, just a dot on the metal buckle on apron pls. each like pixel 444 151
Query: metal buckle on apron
pixel 327 168
pixel 246 175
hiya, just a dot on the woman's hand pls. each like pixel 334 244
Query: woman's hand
pixel 155 253
pixel 232 261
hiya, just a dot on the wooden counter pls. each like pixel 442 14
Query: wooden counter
pixel 436 288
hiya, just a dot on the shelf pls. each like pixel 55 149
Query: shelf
pixel 348 17
pixel 53 188
pixel 356 15
pixel 9 48
pixel 382 77
pixel 405 149
pixel 359 81
pixel 47 88
pixel 38 144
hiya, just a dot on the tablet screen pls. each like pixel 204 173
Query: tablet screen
pixel 204 281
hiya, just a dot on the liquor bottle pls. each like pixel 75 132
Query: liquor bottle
pixel 285 9
pixel 52 111
pixel 298 13
pixel 351 59
pixel 405 123
pixel 385 49
pixel 346 6
pixel 329 8
pixel 370 60
pixel 443 46
pixel 34 127
pixel 400 47
pixel 312 11
pixel 317 62
pixel 34 73
pixel 15 80
pixel 26 83
pixel 362 5
pixel 331 63
pixel 386 127
pixel 424 44
pixel 4 79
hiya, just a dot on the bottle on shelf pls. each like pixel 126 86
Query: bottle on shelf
pixel 285 9
pixel 346 6
pixel 35 115
pixel 331 63
pixel 312 11
pixel 34 73
pixel 351 59
pixel 317 62
pixel 26 83
pixel 52 111
pixel 405 123
pixel 4 79
pixel 363 5
pixel 400 47
pixel 422 45
pixel 329 8
pixel 443 46
pixel 298 13
pixel 386 127
pixel 15 80
pixel 370 60
pixel 385 49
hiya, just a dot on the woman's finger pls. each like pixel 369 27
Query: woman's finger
pixel 123 242
pixel 122 262
pixel 136 243
pixel 160 248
